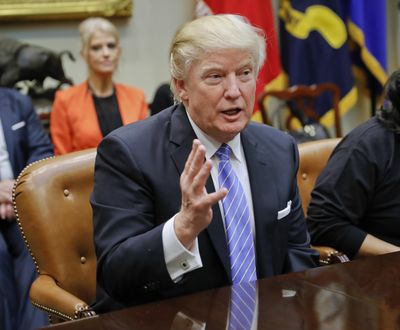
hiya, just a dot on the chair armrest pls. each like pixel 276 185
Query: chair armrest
pixel 48 296
pixel 329 255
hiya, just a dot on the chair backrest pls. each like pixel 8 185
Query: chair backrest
pixel 314 156
pixel 51 199
pixel 304 98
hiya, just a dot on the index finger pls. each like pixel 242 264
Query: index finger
pixel 189 160
pixel 195 160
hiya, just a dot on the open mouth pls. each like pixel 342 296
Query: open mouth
pixel 231 112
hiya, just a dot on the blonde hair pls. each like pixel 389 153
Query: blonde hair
pixel 213 33
pixel 93 24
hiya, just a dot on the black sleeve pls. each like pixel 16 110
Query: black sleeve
pixel 340 198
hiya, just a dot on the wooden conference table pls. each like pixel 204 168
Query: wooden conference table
pixel 362 294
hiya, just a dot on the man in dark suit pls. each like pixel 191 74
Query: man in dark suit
pixel 160 219
pixel 22 141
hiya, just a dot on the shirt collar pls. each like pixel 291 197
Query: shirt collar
pixel 212 145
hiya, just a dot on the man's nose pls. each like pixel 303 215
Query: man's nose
pixel 232 89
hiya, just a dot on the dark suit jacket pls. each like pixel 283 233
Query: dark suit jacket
pixel 136 190
pixel 26 142
pixel 25 137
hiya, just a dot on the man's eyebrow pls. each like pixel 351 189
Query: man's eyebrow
pixel 212 66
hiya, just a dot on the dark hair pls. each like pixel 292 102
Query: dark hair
pixel 389 113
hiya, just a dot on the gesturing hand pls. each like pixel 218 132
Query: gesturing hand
pixel 196 209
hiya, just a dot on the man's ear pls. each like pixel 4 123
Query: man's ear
pixel 180 87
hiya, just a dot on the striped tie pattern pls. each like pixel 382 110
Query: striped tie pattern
pixel 243 302
pixel 237 221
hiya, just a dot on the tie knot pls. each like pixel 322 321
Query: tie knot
pixel 223 152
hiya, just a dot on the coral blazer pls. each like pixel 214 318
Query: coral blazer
pixel 74 125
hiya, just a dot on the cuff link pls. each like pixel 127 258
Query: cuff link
pixel 184 265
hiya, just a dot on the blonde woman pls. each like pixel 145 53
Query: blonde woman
pixel 83 114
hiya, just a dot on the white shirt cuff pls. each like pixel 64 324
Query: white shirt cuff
pixel 178 259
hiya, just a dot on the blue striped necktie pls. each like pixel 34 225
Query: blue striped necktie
pixel 237 221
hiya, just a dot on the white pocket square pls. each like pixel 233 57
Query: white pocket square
pixel 283 213
pixel 18 125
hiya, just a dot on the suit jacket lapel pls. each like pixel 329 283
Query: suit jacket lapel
pixel 181 139
pixel 263 193
pixel 216 231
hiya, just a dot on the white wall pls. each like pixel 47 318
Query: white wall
pixel 145 39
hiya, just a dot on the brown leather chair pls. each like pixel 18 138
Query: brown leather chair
pixel 313 158
pixel 304 97
pixel 51 202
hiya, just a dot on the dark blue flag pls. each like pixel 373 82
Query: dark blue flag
pixel 367 29
pixel 314 49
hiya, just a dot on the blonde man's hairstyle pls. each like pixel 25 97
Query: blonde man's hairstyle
pixel 89 26
pixel 214 33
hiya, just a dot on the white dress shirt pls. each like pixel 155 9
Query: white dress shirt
pixel 6 171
